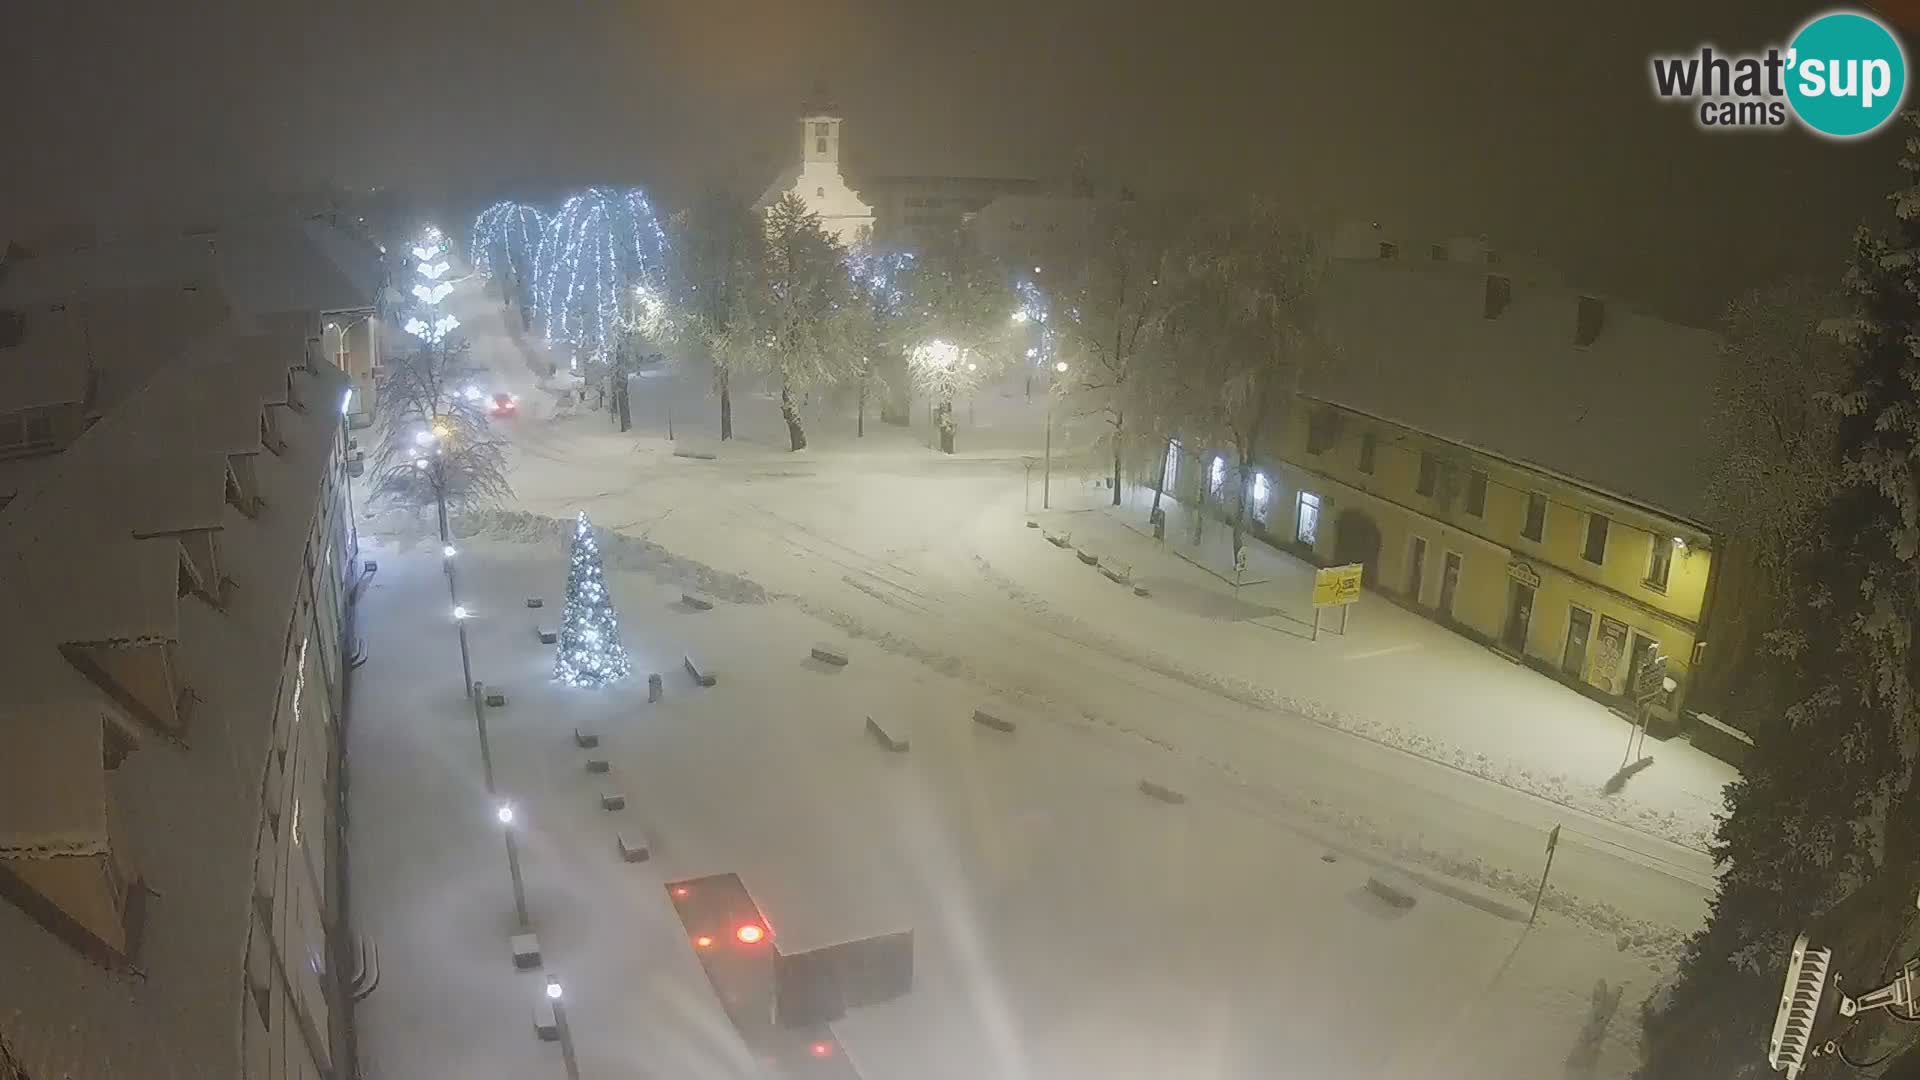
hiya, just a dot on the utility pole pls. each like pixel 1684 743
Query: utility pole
pixel 1553 841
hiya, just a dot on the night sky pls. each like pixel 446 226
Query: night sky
pixel 1531 122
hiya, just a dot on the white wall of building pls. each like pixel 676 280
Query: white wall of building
pixel 821 185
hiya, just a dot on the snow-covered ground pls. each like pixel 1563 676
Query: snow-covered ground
pixel 1067 925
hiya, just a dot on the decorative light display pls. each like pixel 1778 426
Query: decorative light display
pixel 425 321
pixel 506 241
pixel 598 249
pixel 590 651
pixel 433 333
pixel 432 294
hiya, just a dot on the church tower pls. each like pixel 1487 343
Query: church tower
pixel 818 181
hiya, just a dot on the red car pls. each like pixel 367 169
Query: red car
pixel 504 404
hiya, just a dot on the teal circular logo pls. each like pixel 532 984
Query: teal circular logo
pixel 1846 74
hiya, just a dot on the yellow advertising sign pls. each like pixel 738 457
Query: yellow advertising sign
pixel 1336 585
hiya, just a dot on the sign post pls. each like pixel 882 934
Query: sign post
pixel 1649 683
pixel 1553 841
pixel 1335 586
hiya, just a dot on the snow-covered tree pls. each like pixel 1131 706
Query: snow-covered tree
pixel 1770 469
pixel 506 246
pixel 1820 827
pixel 598 248
pixel 591 653
pixel 1111 306
pixel 716 241
pixel 880 301
pixel 960 307
pixel 1245 320
pixel 803 308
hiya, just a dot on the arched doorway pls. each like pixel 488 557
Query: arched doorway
pixel 1357 540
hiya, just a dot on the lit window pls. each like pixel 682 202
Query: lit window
pixel 1172 471
pixel 1307 528
pixel 1259 490
pixel 1217 474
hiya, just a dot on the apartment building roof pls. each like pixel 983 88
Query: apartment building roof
pixel 1502 368
pixel 95 555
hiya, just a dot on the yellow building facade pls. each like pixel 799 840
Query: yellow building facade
pixel 1571 580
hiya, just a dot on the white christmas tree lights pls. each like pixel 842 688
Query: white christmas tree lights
pixel 590 651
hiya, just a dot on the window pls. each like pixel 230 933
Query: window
pixel 1536 523
pixel 1429 474
pixel 1477 493
pixel 1170 477
pixel 1596 549
pixel 820 193
pixel 820 129
pixel 1323 430
pixel 1260 492
pixel 1659 562
pixel 1366 453
pixel 819 146
pixel 1307 525
pixel 1217 474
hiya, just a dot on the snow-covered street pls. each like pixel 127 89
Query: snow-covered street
pixel 1066 924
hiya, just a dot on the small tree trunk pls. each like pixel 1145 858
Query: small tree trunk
pixel 860 417
pixel 1118 430
pixel 726 404
pixel 944 422
pixel 1160 478
pixel 795 434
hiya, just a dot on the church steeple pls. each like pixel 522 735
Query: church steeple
pixel 820 128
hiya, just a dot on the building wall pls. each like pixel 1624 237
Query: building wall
pixel 1491 545
pixel 287 1015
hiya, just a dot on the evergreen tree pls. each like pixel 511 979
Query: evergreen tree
pixel 803 308
pixel 1819 834
pixel 590 650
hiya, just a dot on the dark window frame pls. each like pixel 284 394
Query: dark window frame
pixel 1368 444
pixel 1476 498
pixel 1534 526
pixel 1429 479
pixel 1598 525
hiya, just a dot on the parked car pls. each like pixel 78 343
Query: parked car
pixel 504 404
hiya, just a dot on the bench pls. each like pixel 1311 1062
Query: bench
pixel 597 765
pixel 1162 792
pixel 653 688
pixel 827 654
pixel 546 636
pixel 496 697
pixel 632 845
pixel 696 601
pixel 612 800
pixel 546 1027
pixel 1087 557
pixel 535 601
pixel 584 739
pixel 704 678
pixel 997 723
pixel 895 743
pixel 526 950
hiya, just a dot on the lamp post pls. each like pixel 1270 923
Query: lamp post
pixel 560 1025
pixel 1046 476
pixel 505 815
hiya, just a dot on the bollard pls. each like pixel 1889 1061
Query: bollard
pixel 653 688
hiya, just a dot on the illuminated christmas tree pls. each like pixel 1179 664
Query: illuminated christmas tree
pixel 590 649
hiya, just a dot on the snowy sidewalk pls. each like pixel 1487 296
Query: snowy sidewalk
pixel 1392 676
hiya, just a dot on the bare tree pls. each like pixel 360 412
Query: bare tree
pixel 880 302
pixel 1247 324
pixel 436 445
pixel 1112 305
pixel 803 304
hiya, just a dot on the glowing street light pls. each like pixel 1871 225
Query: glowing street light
pixel 566 1033
pixel 447 552
pixel 504 813
pixel 459 612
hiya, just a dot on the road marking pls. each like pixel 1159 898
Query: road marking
pixel 1389 650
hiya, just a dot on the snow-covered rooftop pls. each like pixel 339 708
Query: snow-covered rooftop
pixel 73 567
pixel 48 366
pixel 1623 414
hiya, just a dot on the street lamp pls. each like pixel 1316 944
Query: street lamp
pixel 505 814
pixel 1046 477
pixel 560 1025
pixel 466 660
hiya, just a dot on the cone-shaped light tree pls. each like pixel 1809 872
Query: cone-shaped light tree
pixel 590 650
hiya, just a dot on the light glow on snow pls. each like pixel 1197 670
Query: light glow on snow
pixel 750 934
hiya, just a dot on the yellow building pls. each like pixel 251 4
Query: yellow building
pixel 1514 460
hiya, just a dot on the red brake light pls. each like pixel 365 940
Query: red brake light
pixel 821 1049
